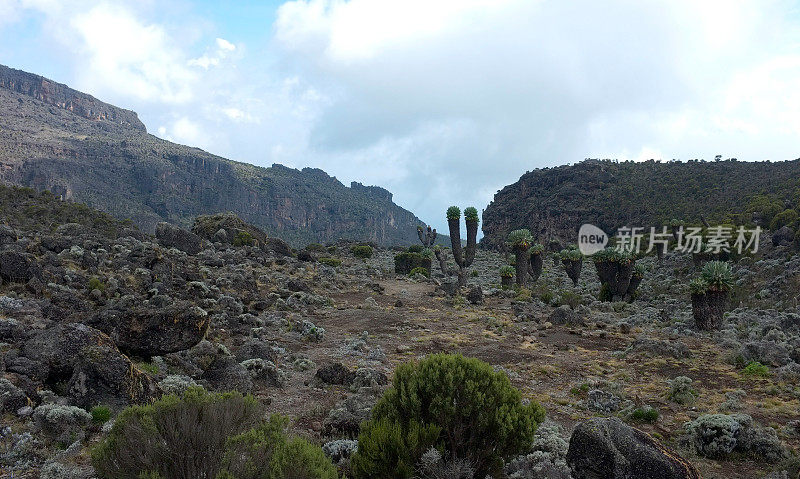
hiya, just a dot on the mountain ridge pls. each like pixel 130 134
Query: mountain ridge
pixel 554 202
pixel 56 138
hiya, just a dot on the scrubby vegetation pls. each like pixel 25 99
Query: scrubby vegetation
pixel 204 434
pixel 456 405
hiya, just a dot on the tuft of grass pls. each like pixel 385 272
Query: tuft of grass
pixel 645 414
pixel 100 414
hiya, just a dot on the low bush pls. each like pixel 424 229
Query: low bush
pixel 333 262
pixel 266 452
pixel 404 263
pixel 243 238
pixel 645 414
pixel 175 437
pixel 754 368
pixel 210 435
pixel 420 270
pixel 452 403
pixel 361 251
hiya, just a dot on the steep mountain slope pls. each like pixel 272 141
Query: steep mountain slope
pixel 554 202
pixel 53 137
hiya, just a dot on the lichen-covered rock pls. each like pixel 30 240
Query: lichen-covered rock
pixel 607 448
pixel 56 348
pixel 12 398
pixel 264 370
pixel 564 315
pixel 172 236
pixel 366 377
pixel 103 375
pixel 345 419
pixel 602 401
pixel 335 373
pixel 148 331
pixel 17 267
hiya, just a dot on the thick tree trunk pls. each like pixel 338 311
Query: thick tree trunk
pixel 573 269
pixel 472 235
pixel 708 309
pixel 535 263
pixel 455 241
pixel 521 266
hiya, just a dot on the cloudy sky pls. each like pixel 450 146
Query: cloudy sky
pixel 440 101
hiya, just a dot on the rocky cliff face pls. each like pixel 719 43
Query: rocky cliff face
pixel 62 96
pixel 55 138
pixel 554 202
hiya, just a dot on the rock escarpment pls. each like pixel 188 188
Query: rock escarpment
pixel 57 139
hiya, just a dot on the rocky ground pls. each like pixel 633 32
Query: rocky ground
pixel 111 317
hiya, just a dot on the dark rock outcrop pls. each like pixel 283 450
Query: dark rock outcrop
pixel 17 267
pixel 148 331
pixel 175 237
pixel 335 373
pixel 103 375
pixel 783 237
pixel 607 448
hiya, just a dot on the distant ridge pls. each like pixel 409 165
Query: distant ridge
pixel 55 138
pixel 554 202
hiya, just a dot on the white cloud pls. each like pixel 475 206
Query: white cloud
pixel 214 58
pixel 125 54
pixel 454 99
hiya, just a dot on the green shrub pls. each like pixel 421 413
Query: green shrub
pixel 334 262
pixel 453 213
pixel 456 404
pixel 404 263
pixel 474 273
pixel 390 449
pixel 415 248
pixel 784 218
pixel 755 368
pixel 266 452
pixel 175 437
pixel 316 248
pixel 361 251
pixel 95 283
pixel 536 249
pixel 645 414
pixel 507 271
pixel 420 270
pixel 100 414
pixel 571 298
pixel 426 252
pixel 243 238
